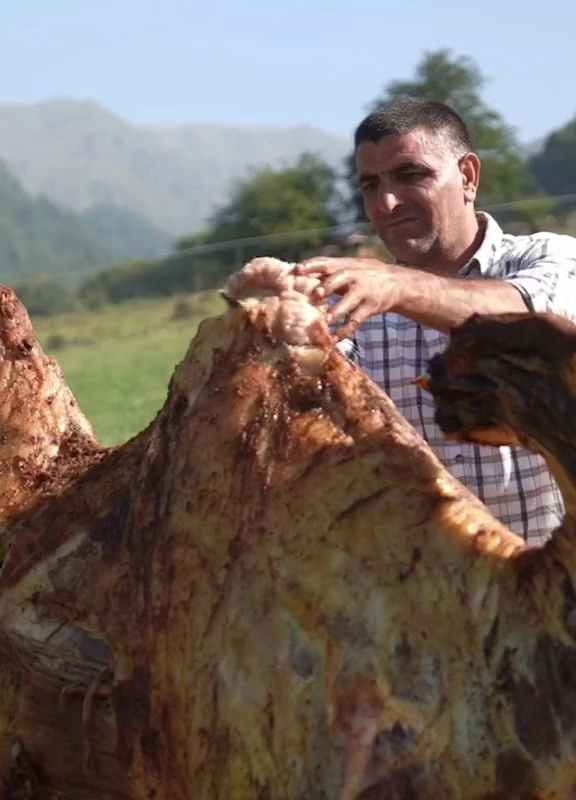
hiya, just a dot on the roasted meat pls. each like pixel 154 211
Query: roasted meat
pixel 276 591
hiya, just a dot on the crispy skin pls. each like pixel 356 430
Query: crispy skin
pixel 294 597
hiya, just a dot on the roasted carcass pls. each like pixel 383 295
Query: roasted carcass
pixel 276 591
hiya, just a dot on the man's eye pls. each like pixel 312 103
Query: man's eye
pixel 369 187
pixel 410 174
pixel 414 175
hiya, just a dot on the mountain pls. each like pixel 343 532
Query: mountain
pixel 81 155
pixel 126 234
pixel 37 236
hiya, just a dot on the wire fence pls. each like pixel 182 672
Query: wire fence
pixel 234 251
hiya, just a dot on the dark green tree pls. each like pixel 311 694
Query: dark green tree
pixel 458 82
pixel 553 168
pixel 45 296
pixel 286 201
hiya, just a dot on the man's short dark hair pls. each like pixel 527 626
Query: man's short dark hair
pixel 408 114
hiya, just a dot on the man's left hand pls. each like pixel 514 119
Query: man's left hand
pixel 367 286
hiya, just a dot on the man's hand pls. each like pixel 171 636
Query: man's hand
pixel 367 286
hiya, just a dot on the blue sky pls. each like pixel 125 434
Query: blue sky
pixel 254 62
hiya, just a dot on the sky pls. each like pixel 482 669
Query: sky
pixel 254 62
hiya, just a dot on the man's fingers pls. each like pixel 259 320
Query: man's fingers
pixel 358 316
pixel 347 305
pixel 335 283
pixel 314 266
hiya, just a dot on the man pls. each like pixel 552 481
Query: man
pixel 419 179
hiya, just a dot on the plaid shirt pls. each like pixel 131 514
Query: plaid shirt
pixel 515 485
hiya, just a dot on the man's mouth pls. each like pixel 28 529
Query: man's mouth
pixel 397 223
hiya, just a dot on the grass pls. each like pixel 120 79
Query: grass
pixel 118 360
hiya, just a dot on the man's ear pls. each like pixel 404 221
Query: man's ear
pixel 470 170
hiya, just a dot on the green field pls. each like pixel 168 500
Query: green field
pixel 118 360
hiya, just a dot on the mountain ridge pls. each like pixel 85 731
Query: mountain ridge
pixel 80 154
pixel 41 237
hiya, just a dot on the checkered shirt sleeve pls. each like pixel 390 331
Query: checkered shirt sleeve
pixel 545 274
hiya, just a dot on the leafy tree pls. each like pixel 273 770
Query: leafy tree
pixel 458 82
pixel 553 168
pixel 531 212
pixel 191 241
pixel 45 297
pixel 283 201
pixel 166 277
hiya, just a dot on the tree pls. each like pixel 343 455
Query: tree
pixel 300 198
pixel 45 297
pixel 530 213
pixel 553 168
pixel 458 82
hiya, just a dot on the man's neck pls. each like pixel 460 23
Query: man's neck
pixel 451 263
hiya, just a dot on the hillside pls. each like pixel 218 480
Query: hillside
pixel 81 155
pixel 125 233
pixel 38 236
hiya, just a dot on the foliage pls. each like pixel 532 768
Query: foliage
pixel 458 82
pixel 529 211
pixel 192 241
pixel 299 198
pixel 166 277
pixel 553 169
pixel 45 297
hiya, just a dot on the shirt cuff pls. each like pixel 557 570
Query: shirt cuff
pixel 533 292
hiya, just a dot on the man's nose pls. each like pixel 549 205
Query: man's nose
pixel 388 201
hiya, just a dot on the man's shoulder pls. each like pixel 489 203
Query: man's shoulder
pixel 540 244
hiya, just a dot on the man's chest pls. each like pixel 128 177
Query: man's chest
pixel 395 351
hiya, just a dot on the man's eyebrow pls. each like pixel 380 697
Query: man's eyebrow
pixel 407 164
pixel 400 167
pixel 367 176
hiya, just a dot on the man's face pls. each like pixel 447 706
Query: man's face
pixel 416 194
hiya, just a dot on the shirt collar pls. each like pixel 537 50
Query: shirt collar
pixel 491 244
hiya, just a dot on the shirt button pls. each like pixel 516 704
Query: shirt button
pixel 458 458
